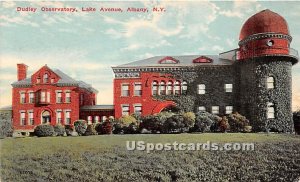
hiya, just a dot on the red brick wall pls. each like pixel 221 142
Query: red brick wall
pixel 52 106
pixel 149 105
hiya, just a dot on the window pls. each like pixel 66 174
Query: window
pixel 270 43
pixel 68 96
pixel 228 109
pixel 162 88
pixel 45 78
pixel 22 98
pixel 59 97
pixel 125 110
pixel 177 88
pixel 154 87
pixel 228 87
pixel 43 96
pixel 201 108
pixel 137 89
pixel 22 118
pixel 138 109
pixel 201 89
pixel 38 80
pixel 89 119
pixel 58 117
pixel 170 88
pixel 270 82
pixel 184 87
pixel 68 117
pixel 271 111
pixel 30 117
pixel 96 119
pixel 215 109
pixel 168 60
pixel 48 96
pixel 125 90
pixel 52 80
pixel 31 97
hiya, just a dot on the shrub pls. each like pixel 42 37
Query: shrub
pixel 189 119
pixel 151 123
pixel 131 129
pixel 59 130
pixel 118 129
pixel 6 129
pixel 206 122
pixel 174 124
pixel 44 130
pixel 238 123
pixel 80 126
pixel 69 129
pixel 105 128
pixel 90 130
pixel 223 124
pixel 126 120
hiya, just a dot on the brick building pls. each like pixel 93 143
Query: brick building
pixel 254 79
pixel 51 96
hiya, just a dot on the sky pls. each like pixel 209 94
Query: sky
pixel 85 45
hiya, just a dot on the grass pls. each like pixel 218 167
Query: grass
pixel 104 158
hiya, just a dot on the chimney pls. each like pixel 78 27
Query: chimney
pixel 22 71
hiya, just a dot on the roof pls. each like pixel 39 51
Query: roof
pixel 64 79
pixel 185 60
pixel 6 108
pixel 98 107
pixel 263 22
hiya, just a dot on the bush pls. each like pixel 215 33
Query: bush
pixel 118 129
pixel 6 129
pixel 44 130
pixel 189 119
pixel 104 128
pixel 126 120
pixel 223 124
pixel 131 129
pixel 206 122
pixel 152 124
pixel 69 130
pixel 175 124
pixel 59 130
pixel 90 130
pixel 238 123
pixel 80 126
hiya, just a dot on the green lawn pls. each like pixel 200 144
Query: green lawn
pixel 104 158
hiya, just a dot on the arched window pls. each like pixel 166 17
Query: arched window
pixel 162 88
pixel 170 88
pixel 96 119
pixel 45 78
pixel 177 88
pixel 184 88
pixel 271 111
pixel 154 87
pixel 270 82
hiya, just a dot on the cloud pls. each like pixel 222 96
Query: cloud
pixel 114 33
pixel 8 4
pixel 241 9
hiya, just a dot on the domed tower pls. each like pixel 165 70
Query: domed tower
pixel 264 63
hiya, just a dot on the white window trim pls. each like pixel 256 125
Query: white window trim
pixel 212 109
pixel 125 105
pixel 201 89
pixel 125 84
pixel 228 87
pixel 227 111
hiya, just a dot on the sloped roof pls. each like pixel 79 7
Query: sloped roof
pixel 185 60
pixel 97 107
pixel 64 80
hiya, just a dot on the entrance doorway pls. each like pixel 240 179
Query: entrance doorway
pixel 46 117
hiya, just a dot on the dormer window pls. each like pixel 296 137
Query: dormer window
pixel 203 59
pixel 45 78
pixel 38 80
pixel 168 60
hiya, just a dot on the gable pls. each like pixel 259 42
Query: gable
pixel 45 76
